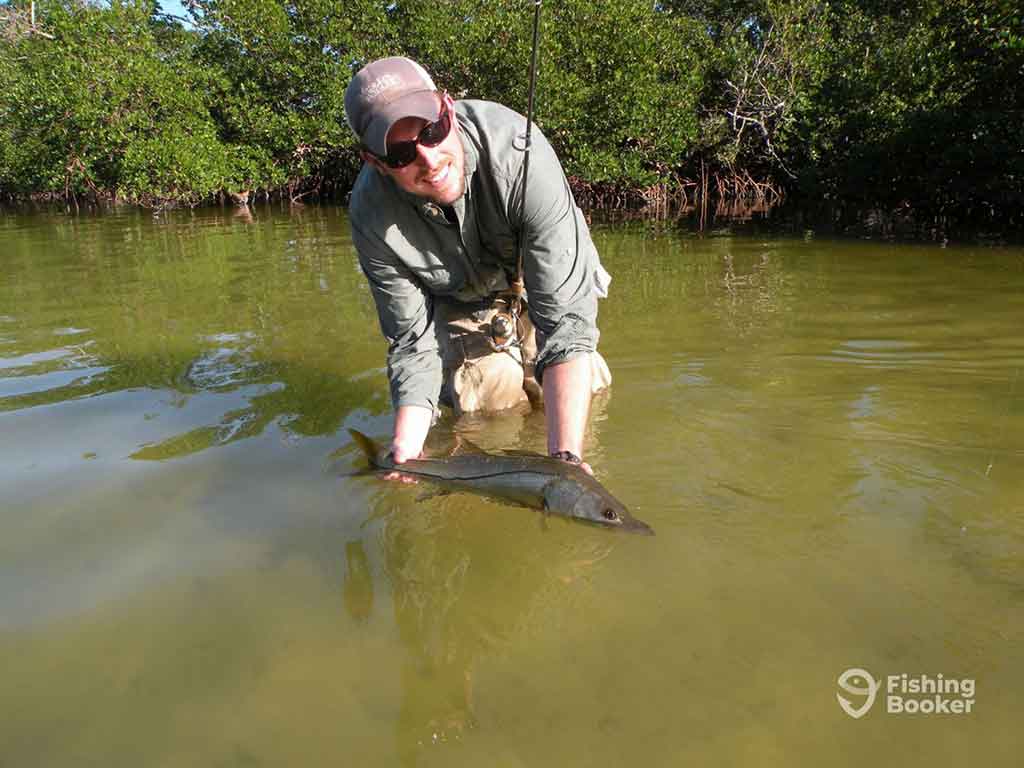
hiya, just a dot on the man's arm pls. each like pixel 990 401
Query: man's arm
pixel 412 423
pixel 567 389
pixel 405 311
pixel 559 269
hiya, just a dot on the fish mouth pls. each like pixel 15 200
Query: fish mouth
pixel 632 525
pixel 626 525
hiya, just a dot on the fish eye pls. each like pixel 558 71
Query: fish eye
pixel 609 514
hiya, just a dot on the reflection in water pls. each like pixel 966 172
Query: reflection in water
pixel 459 595
pixel 459 598
pixel 428 578
pixel 358 587
pixel 826 436
pixel 227 304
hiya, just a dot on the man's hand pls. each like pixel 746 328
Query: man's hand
pixel 412 423
pixel 401 454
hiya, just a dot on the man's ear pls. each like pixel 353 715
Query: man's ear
pixel 370 159
pixel 451 106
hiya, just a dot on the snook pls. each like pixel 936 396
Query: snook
pixel 532 480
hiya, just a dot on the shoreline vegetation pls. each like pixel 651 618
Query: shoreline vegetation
pixel 900 117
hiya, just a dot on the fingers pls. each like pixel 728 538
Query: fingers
pixel 407 479
pixel 400 455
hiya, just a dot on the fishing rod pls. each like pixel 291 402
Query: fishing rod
pixel 505 326
pixel 529 130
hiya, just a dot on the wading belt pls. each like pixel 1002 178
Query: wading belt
pixel 495 326
pixel 507 325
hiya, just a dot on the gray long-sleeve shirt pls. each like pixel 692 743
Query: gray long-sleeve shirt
pixel 412 255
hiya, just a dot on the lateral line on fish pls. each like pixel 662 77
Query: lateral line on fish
pixel 398 468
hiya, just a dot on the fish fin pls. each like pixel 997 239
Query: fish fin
pixel 464 446
pixel 370 448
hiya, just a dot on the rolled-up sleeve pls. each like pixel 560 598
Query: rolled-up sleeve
pixel 406 314
pixel 560 262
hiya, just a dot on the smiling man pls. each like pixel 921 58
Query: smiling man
pixel 436 213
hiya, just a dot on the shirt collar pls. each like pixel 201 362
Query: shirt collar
pixel 468 148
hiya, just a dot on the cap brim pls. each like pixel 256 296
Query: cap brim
pixel 422 104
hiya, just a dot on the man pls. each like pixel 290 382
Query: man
pixel 436 214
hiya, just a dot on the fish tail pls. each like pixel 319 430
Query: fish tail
pixel 370 448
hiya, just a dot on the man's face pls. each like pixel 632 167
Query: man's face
pixel 437 173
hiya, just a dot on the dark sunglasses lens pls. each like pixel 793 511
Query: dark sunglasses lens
pixel 401 154
pixel 436 132
pixel 404 152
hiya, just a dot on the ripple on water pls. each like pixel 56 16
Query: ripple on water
pixel 226 366
pixel 19 363
pixel 39 383
pixel 49 369
pixel 825 492
pixel 991 358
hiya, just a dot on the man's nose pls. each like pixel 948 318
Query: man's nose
pixel 429 156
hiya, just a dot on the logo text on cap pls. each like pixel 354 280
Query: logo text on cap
pixel 382 83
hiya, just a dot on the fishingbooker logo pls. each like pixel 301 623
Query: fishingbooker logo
pixel 859 683
pixel 906 694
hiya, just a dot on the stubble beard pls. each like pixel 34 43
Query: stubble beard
pixel 458 192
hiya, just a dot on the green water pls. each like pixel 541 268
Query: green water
pixel 828 438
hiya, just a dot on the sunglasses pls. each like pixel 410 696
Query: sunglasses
pixel 402 153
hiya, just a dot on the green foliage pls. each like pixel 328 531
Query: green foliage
pixel 98 106
pixel 912 104
pixel 921 106
pixel 610 74
pixel 638 75
pixel 282 71
pixel 768 58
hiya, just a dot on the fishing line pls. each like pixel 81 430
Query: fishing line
pixel 1002 426
pixel 506 330
pixel 527 141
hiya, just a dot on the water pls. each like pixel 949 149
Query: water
pixel 828 438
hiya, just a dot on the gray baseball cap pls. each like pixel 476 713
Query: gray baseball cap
pixel 382 93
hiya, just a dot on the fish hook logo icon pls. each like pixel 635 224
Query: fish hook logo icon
pixel 860 683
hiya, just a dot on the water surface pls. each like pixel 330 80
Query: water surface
pixel 827 436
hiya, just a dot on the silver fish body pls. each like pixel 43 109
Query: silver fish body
pixel 531 480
